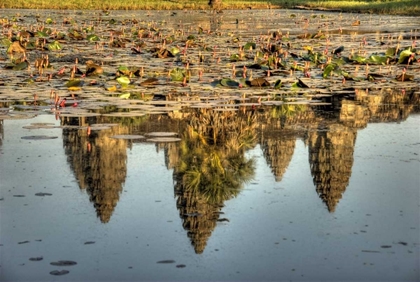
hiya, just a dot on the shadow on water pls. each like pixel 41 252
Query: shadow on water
pixel 209 163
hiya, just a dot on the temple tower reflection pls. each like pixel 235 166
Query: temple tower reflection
pixel 98 162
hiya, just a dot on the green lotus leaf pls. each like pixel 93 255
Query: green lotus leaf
pixel 390 52
pixel 359 59
pixel 229 82
pixel 41 34
pixel 277 84
pixel 177 74
pixel 124 95
pixel 74 83
pixel 124 70
pixel 93 37
pixel 234 58
pixel 404 55
pixel 328 69
pixel 89 29
pixel 49 21
pixel 174 50
pixel 54 46
pixel 297 68
pixel 6 42
pixel 250 46
pixel 21 66
pixel 123 80
pixel 378 60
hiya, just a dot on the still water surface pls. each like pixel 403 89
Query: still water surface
pixel 311 197
pixel 277 230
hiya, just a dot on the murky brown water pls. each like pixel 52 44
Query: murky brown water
pixel 210 179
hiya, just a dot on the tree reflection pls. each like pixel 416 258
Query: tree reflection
pixel 212 168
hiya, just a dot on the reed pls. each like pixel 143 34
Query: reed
pixel 394 7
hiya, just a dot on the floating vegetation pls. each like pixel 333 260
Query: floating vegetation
pixel 155 69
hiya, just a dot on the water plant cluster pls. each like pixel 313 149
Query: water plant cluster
pixel 114 64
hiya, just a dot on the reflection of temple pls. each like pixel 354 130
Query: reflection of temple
pixel 212 169
pixel 199 218
pixel 331 160
pixel 209 165
pixel 98 162
pixel 278 154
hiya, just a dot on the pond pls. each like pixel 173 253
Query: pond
pixel 219 161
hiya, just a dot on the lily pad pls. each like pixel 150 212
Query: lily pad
pixel 38 137
pixel 128 137
pixel 161 134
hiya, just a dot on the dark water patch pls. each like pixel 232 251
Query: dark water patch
pixel 386 246
pixel 63 263
pixel 89 242
pixel 166 261
pixel 19 196
pixel 41 194
pixel 36 259
pixel 181 266
pixel 23 242
pixel 59 272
